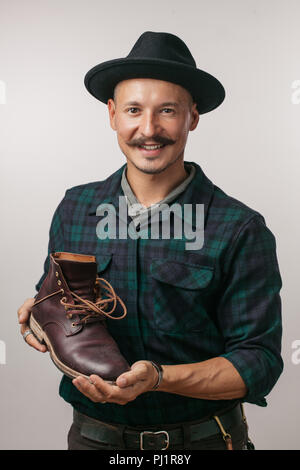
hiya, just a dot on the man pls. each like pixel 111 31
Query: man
pixel 209 315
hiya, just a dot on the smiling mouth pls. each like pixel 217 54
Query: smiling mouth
pixel 153 150
pixel 152 147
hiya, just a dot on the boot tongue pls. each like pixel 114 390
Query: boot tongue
pixel 80 277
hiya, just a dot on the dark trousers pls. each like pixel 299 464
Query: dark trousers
pixel 239 436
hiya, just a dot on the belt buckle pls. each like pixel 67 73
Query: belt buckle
pixel 157 432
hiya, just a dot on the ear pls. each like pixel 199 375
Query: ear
pixel 112 113
pixel 194 117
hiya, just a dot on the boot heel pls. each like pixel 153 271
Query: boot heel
pixel 36 329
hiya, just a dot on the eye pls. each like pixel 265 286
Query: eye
pixel 168 110
pixel 132 110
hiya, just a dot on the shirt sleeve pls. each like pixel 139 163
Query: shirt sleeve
pixel 249 311
pixel 56 239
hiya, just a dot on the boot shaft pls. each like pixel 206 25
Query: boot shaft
pixel 68 272
pixel 78 271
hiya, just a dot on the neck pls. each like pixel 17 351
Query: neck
pixel 152 188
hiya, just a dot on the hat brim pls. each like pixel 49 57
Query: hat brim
pixel 205 89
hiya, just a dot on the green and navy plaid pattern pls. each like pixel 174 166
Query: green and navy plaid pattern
pixel 184 306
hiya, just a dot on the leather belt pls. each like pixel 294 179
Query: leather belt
pixel 155 437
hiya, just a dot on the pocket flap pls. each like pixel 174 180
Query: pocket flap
pixel 179 274
pixel 103 261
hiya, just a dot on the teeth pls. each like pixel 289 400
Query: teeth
pixel 151 147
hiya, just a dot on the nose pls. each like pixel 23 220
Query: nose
pixel 149 124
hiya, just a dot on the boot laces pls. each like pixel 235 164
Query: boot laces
pixel 98 308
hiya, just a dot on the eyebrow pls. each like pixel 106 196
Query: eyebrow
pixel 136 103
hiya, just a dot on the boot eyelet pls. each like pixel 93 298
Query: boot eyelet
pixel 73 325
pixel 59 282
pixel 56 274
pixel 70 315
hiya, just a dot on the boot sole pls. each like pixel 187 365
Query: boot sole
pixel 43 339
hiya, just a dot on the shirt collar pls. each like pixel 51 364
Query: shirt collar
pixel 199 191
pixel 134 204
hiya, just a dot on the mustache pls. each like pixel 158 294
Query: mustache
pixel 157 139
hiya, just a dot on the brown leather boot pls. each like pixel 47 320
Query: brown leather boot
pixel 69 317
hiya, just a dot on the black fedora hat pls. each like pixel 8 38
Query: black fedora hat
pixel 159 55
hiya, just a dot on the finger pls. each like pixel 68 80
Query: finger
pixel 88 389
pixel 34 343
pixel 111 393
pixel 24 310
pixel 139 372
pixel 31 339
pixel 103 387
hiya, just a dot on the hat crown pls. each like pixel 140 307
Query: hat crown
pixel 163 46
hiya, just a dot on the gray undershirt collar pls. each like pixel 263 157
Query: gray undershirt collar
pixel 137 211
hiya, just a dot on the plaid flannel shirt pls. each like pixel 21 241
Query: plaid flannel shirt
pixel 184 306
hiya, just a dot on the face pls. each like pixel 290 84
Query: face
pixel 152 119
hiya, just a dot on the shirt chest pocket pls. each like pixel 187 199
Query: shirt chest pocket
pixel 181 295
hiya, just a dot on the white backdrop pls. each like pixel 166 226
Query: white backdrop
pixel 54 135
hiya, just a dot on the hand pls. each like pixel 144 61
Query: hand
pixel 24 314
pixel 140 379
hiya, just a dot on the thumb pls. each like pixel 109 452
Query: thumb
pixel 139 372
